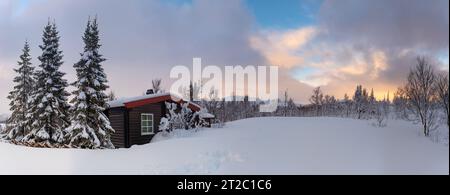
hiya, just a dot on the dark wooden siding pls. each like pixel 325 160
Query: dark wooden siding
pixel 117 118
pixel 135 122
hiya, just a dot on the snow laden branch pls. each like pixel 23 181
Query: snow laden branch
pixel 182 117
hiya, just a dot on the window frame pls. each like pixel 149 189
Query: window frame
pixel 152 120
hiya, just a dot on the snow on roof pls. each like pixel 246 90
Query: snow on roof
pixel 206 115
pixel 121 101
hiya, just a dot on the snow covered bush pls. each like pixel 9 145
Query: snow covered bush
pixel 380 119
pixel 172 119
pixel 174 134
pixel 164 125
pixel 381 113
pixel 217 124
pixel 185 118
pixel 2 130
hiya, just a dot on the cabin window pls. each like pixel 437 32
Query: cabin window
pixel 147 124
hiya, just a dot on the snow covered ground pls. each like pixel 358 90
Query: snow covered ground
pixel 2 126
pixel 3 117
pixel 252 146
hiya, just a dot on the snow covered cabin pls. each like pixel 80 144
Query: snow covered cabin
pixel 136 120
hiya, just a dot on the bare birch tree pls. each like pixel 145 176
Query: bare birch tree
pixel 420 93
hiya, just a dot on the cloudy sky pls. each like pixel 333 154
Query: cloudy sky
pixel 335 44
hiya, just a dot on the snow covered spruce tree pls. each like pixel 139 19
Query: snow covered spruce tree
pixel 360 100
pixel 372 104
pixel 49 107
pixel 90 127
pixel 19 123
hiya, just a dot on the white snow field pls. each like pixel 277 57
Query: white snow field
pixel 252 146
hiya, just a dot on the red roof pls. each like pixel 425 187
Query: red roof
pixel 150 99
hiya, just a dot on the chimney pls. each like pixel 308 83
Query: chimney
pixel 149 92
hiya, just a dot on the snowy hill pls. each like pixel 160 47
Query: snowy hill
pixel 252 146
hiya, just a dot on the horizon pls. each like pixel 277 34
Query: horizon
pixel 311 42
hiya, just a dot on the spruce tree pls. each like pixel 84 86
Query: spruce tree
pixel 90 127
pixel 372 103
pixel 19 122
pixel 359 101
pixel 49 108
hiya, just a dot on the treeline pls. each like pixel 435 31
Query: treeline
pixel 41 113
pixel 362 105
pixel 423 99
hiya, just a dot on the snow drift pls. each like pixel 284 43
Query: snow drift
pixel 252 146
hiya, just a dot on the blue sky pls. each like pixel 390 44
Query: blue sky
pixel 21 7
pixel 281 14
pixel 284 14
